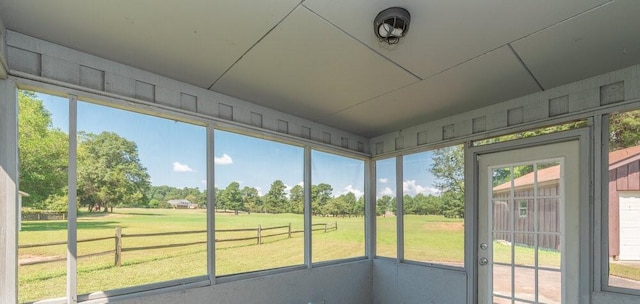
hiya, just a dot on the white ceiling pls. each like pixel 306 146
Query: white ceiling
pixel 319 59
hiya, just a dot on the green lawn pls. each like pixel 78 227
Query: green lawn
pixel 432 239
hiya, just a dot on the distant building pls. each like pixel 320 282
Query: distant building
pixel 182 204
pixel 20 208
pixel 624 205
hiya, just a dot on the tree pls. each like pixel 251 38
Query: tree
pixel 109 171
pixel 383 205
pixel 250 199
pixel 408 204
pixel 624 130
pixel 358 208
pixel 431 204
pixel 219 203
pixel 448 168
pixel 202 199
pixel 452 205
pixel 336 206
pixel 231 197
pixel 43 150
pixel 296 199
pixel 320 195
pixel 275 200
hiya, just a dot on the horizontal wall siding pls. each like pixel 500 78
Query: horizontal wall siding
pixel 623 178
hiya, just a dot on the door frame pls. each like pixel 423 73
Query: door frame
pixel 585 138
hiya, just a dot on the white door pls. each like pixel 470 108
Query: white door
pixel 528 224
pixel 630 226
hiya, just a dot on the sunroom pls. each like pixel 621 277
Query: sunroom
pixel 320 151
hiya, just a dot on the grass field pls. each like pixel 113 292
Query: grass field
pixel 431 239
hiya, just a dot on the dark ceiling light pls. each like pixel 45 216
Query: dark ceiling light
pixel 391 24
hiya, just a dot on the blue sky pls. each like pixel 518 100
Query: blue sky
pixel 174 154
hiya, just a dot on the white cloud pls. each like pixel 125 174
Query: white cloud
pixel 383 180
pixel 350 188
pixel 204 182
pixel 178 167
pixel 288 188
pixel 410 187
pixel 387 191
pixel 225 159
pixel 259 191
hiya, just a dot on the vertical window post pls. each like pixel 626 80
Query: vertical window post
pixel 72 234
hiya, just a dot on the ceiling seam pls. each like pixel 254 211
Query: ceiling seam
pixel 565 20
pixel 364 44
pixel 364 101
pixel 518 39
pixel 524 65
pixel 427 78
pixel 256 43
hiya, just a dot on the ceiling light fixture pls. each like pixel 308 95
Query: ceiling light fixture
pixel 391 24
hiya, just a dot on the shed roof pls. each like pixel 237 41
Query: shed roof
pixel 616 158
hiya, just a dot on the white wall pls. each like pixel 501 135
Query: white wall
pixel 406 283
pixel 348 283
pixel 8 191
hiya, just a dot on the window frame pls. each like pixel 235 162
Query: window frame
pixel 368 229
pixel 400 208
pixel 524 208
pixel 601 292
pixel 260 272
pixel 602 269
pixel 374 184
pixel 211 124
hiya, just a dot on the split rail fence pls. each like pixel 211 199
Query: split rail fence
pixel 119 249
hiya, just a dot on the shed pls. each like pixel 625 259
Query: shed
pixel 523 208
pixel 624 205
pixel 182 204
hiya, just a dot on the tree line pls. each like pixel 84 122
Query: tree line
pixel 276 200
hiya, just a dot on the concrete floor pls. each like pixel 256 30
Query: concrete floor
pixel 549 284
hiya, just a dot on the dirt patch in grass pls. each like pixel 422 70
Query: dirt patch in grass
pixel 29 258
pixel 444 226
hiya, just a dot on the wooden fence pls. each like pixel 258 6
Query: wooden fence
pixel 43 216
pixel 119 249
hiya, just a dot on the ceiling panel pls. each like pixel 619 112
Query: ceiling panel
pixel 600 41
pixel 321 61
pixel 494 77
pixel 309 68
pixel 445 33
pixel 193 41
